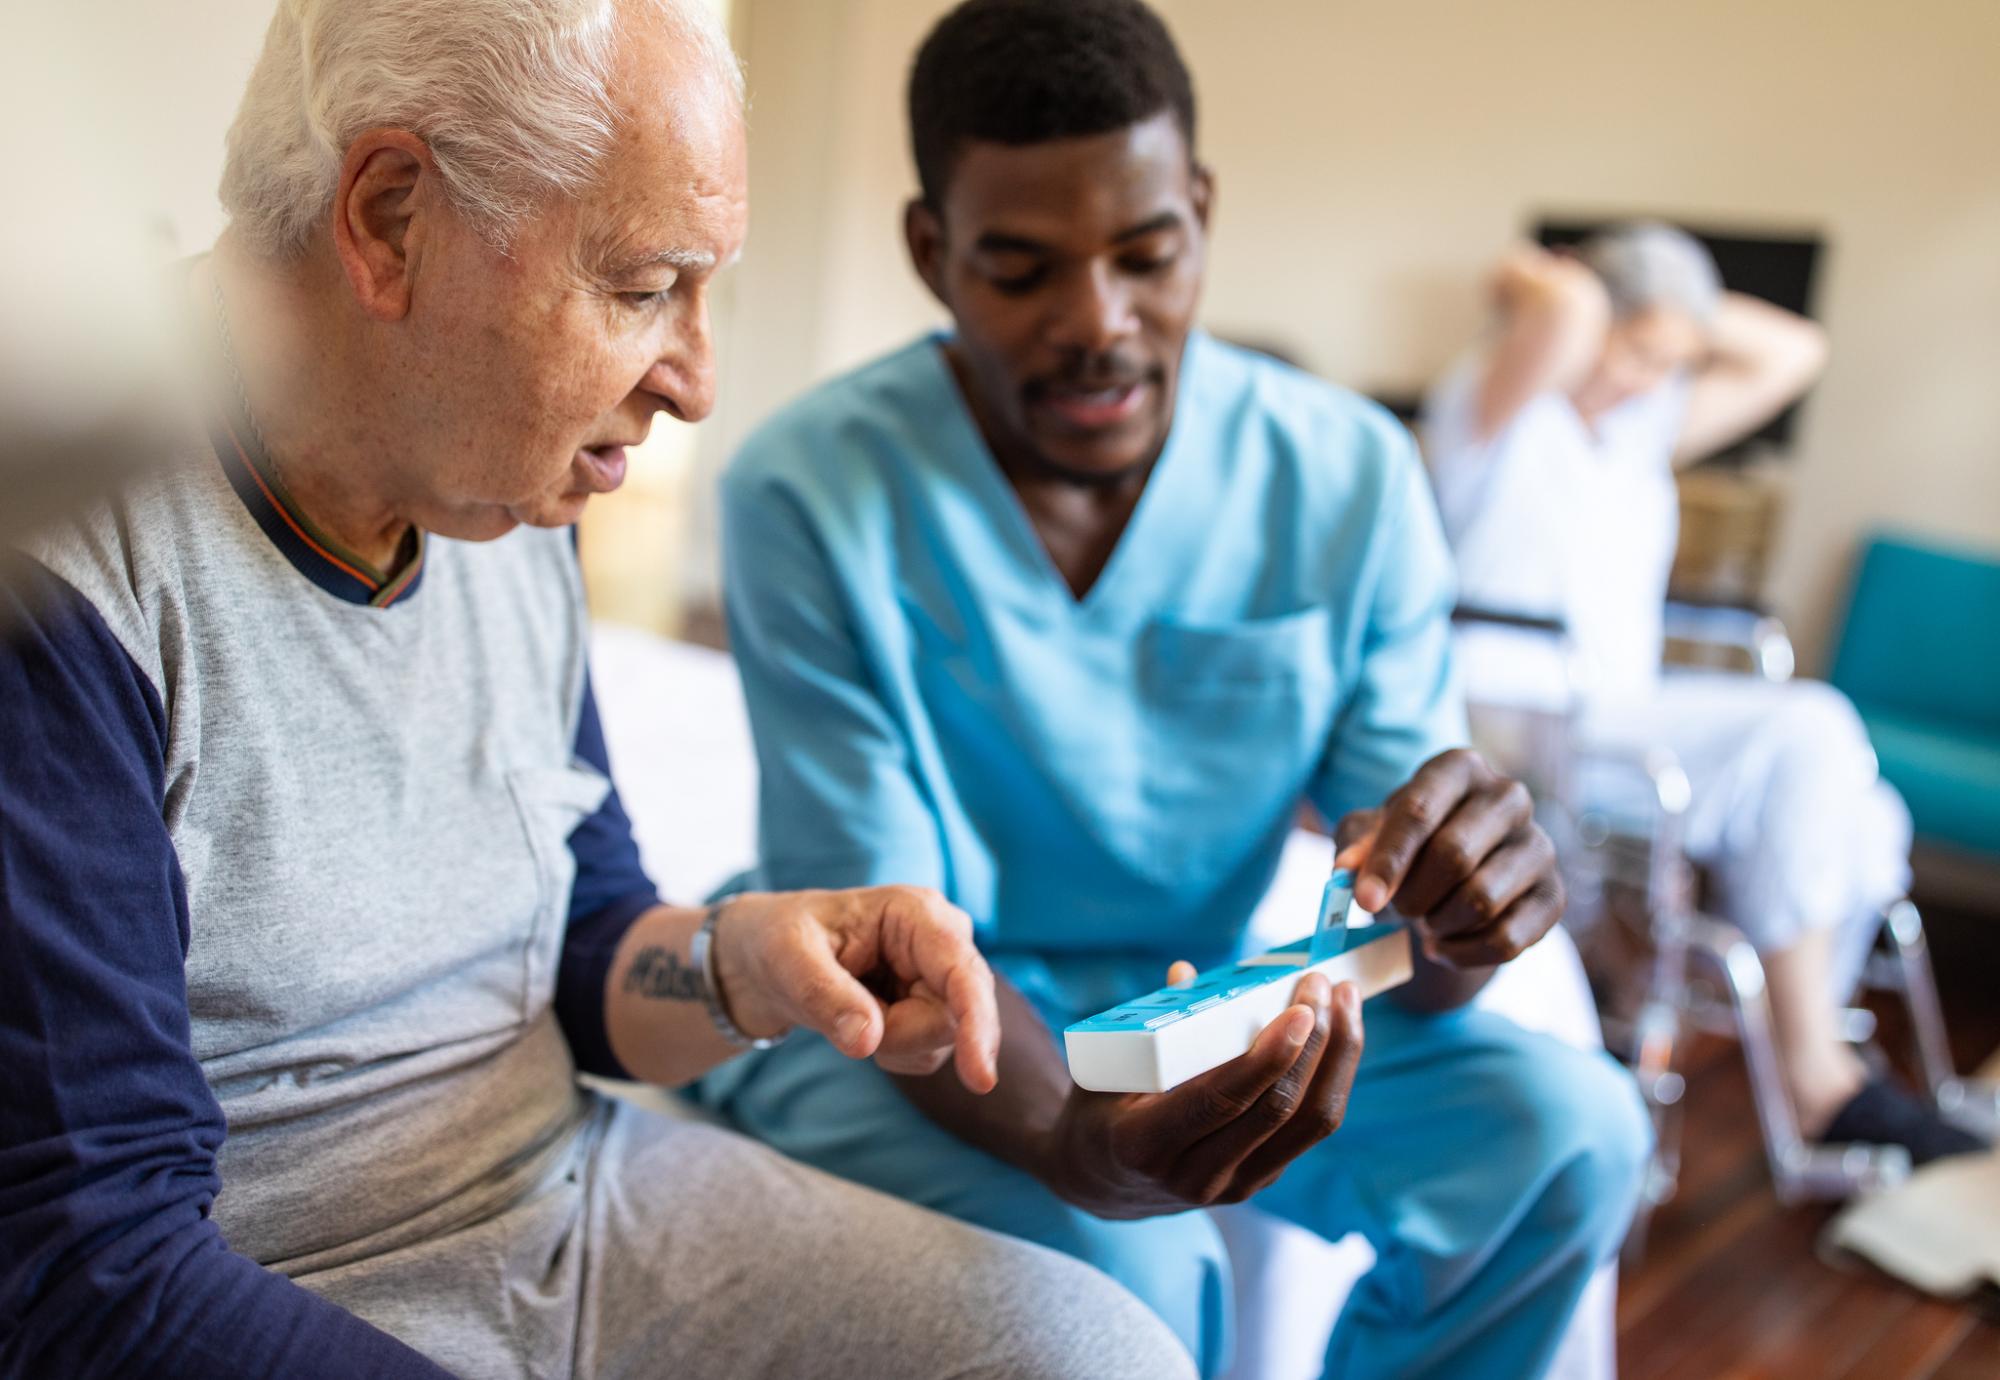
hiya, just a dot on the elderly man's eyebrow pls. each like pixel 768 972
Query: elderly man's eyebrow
pixel 680 260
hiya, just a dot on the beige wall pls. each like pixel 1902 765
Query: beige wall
pixel 165 80
pixel 1373 156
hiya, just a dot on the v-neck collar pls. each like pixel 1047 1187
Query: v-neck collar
pixel 302 542
pixel 307 546
pixel 1152 524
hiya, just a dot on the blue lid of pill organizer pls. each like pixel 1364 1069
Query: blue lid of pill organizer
pixel 1212 988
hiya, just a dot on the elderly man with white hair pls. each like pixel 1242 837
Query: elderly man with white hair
pixel 1552 447
pixel 314 892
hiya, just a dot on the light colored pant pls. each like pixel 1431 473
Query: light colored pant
pixel 666 1248
pixel 1491 1168
pixel 1787 811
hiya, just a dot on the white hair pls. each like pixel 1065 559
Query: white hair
pixel 1649 264
pixel 509 96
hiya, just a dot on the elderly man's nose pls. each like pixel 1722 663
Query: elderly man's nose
pixel 694 399
pixel 684 378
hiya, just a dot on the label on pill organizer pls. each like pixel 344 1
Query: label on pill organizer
pixel 1158 1009
pixel 1158 1041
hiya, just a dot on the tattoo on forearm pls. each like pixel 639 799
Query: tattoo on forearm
pixel 662 975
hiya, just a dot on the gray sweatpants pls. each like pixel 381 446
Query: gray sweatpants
pixel 666 1248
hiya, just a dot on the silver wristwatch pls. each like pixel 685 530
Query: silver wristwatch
pixel 701 955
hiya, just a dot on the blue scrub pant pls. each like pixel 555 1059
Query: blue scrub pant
pixel 1492 1169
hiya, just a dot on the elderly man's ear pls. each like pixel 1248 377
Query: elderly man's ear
pixel 389 192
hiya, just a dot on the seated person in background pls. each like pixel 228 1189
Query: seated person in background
pixel 314 893
pixel 1552 448
pixel 1065 613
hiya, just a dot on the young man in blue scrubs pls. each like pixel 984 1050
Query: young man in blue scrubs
pixel 1064 613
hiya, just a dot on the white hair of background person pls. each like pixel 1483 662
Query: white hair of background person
pixel 1650 264
pixel 509 96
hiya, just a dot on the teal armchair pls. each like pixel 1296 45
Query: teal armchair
pixel 1919 655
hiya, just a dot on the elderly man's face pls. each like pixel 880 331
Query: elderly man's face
pixel 533 371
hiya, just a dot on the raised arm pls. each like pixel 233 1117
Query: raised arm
pixel 1553 316
pixel 109 1264
pixel 1761 359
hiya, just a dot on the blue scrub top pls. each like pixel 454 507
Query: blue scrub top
pixel 1103 783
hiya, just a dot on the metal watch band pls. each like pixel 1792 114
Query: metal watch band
pixel 701 952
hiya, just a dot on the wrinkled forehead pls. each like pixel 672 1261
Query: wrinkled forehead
pixel 1070 191
pixel 675 182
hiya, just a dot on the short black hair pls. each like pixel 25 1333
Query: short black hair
pixel 1028 71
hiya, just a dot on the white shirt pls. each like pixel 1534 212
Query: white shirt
pixel 1558 518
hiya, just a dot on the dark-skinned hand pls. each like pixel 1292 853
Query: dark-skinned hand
pixel 1224 1135
pixel 1458 852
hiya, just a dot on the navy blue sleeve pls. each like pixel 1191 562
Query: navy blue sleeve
pixel 109 1264
pixel 610 892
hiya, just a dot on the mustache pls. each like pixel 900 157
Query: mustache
pixel 1092 373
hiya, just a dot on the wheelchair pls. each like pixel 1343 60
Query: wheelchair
pixel 1629 881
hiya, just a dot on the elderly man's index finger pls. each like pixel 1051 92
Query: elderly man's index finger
pixel 943 955
pixel 976 1050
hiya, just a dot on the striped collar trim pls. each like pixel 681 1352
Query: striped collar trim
pixel 312 552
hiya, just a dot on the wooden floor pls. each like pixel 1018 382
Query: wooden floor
pixel 1730 1284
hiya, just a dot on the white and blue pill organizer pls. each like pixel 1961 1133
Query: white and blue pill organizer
pixel 1164 1038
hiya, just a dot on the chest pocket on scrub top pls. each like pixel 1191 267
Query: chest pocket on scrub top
pixel 1236 718
pixel 551 802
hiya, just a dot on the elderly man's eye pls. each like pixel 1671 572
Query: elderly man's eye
pixel 641 301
